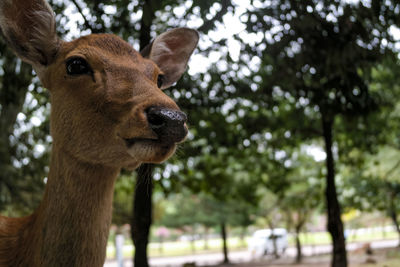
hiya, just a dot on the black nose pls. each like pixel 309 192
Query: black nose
pixel 168 124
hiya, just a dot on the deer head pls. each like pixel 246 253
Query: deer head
pixel 108 112
pixel 108 107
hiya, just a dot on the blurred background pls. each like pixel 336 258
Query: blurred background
pixel 294 121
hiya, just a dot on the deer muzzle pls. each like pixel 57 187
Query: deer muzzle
pixel 168 124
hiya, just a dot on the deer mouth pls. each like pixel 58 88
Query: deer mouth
pixel 129 142
pixel 149 150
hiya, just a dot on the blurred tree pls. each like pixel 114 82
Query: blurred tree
pixel 189 210
pixel 320 54
pixel 15 79
pixel 374 185
pixel 228 182
pixel 142 202
pixel 150 9
pixel 182 215
pixel 24 137
pixel 303 197
pixel 122 201
pixel 371 166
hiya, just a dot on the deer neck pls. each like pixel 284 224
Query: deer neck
pixel 73 220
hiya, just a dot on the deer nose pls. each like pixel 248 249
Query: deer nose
pixel 168 124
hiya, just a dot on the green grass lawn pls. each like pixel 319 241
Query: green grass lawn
pixel 180 248
pixel 321 238
pixel 234 243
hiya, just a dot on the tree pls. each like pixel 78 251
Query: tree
pixel 23 142
pixel 142 214
pixel 303 197
pixel 143 211
pixel 122 201
pixel 209 212
pixel 371 166
pixel 321 53
pixel 375 185
pixel 182 214
pixel 226 181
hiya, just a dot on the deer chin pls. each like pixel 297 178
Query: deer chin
pixel 149 150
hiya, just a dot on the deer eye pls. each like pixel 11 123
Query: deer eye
pixel 78 66
pixel 160 80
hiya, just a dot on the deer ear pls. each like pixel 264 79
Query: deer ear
pixel 29 28
pixel 171 52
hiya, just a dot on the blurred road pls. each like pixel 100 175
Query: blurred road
pixel 244 256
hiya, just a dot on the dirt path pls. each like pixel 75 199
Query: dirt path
pixel 356 259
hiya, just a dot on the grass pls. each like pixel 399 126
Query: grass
pixel 391 259
pixel 180 248
pixel 215 245
pixel 323 238
pixel 385 263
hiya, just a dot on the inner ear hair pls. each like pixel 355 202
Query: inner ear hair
pixel 30 30
pixel 171 52
pixel 145 52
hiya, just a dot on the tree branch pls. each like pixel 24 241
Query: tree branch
pixel 86 22
pixel 211 23
pixel 391 170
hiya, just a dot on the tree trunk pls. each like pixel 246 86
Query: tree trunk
pixel 142 214
pixel 393 215
pixel 276 253
pixel 335 225
pixel 149 8
pixel 224 242
pixel 299 255
pixel 206 231
pixel 302 218
pixel 271 225
pixel 142 205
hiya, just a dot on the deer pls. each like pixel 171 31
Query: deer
pixel 108 112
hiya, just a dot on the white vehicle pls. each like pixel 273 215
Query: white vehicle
pixel 262 242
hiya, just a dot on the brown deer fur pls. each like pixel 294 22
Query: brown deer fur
pixel 92 117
